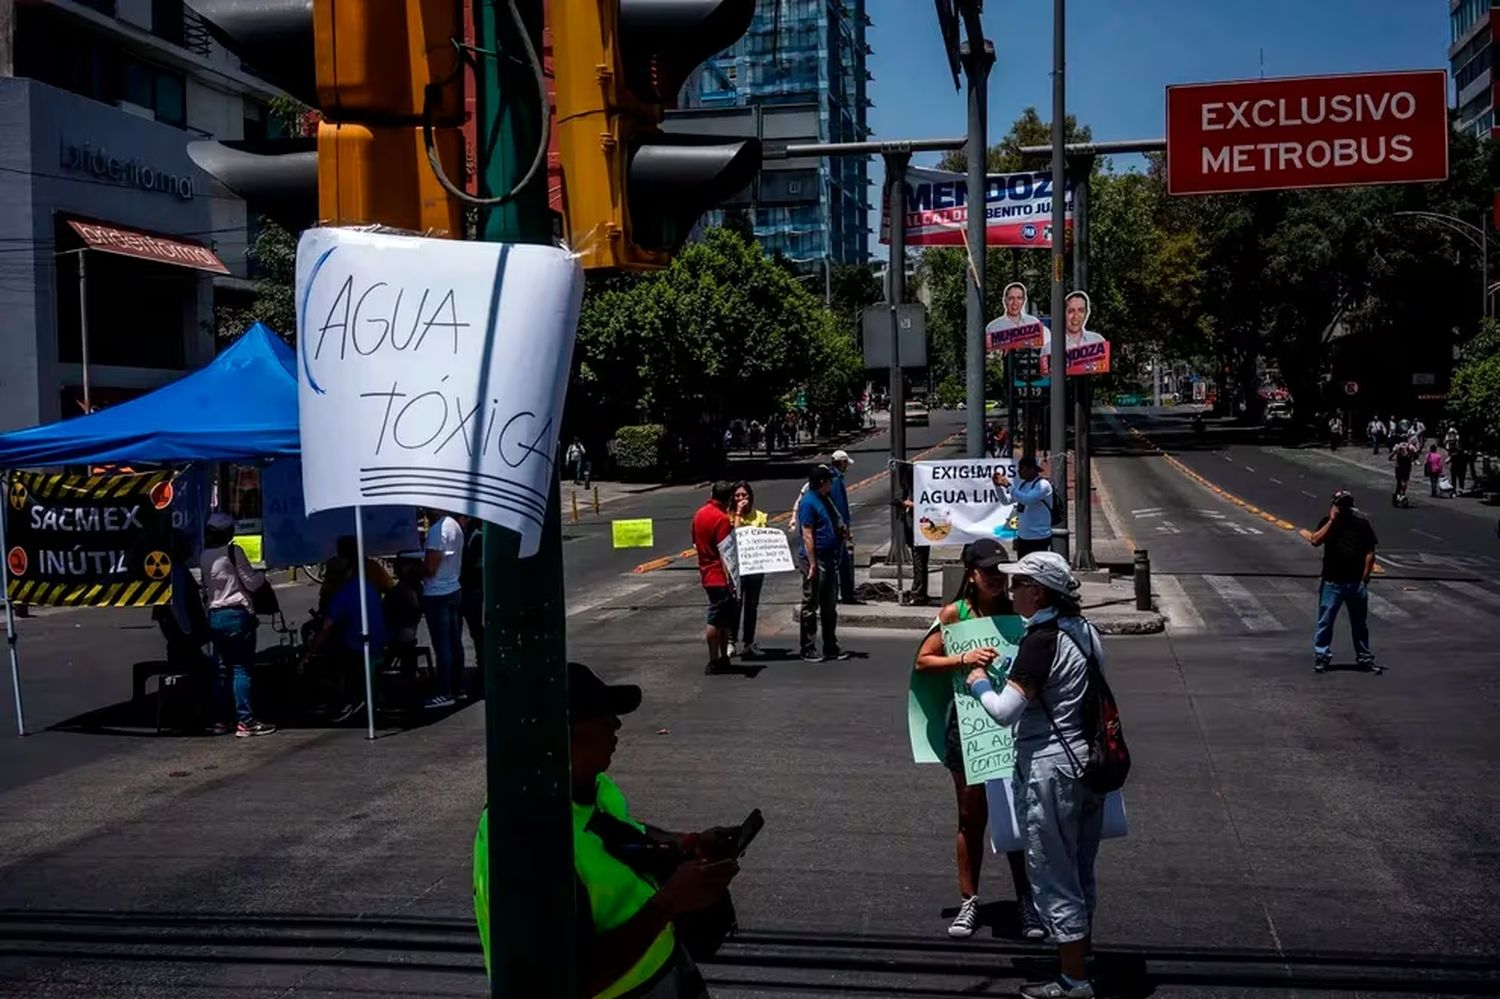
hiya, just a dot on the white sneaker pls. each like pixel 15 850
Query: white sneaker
pixel 731 653
pixel 967 920
pixel 751 651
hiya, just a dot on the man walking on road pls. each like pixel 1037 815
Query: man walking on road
pixel 1034 493
pixel 839 496
pixel 711 525
pixel 1348 542
pixel 822 546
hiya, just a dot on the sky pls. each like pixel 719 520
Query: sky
pixel 1122 54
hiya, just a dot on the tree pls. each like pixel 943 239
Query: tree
pixel 724 332
pixel 1474 397
pixel 273 255
pixel 1028 130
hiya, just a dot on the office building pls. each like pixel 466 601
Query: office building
pixel 811 54
pixel 1471 48
pixel 107 228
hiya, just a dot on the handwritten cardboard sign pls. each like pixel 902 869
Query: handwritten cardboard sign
pixel 755 551
pixel 432 372
pixel 989 750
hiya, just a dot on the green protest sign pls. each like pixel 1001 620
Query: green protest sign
pixel 989 749
pixel 931 692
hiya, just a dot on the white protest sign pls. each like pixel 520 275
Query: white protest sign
pixel 956 501
pixel 432 372
pixel 756 551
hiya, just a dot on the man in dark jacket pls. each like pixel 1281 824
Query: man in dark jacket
pixel 1348 542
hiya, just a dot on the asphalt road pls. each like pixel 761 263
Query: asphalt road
pixel 1290 834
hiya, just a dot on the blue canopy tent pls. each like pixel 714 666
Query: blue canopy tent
pixel 242 406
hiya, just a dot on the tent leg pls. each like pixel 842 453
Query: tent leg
pixel 364 625
pixel 10 617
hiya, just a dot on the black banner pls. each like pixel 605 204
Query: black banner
pixel 89 540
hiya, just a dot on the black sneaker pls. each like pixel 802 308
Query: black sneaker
pixel 836 656
pixel 250 729
pixel 1058 989
pixel 1031 920
pixel 811 657
pixel 1321 665
pixel 1373 667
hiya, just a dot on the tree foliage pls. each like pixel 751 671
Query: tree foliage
pixel 723 333
pixel 1474 399
pixel 273 255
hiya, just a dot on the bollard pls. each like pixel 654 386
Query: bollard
pixel 575 506
pixel 1142 573
pixel 596 501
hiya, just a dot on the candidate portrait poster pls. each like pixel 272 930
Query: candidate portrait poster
pixel 1087 351
pixel 1015 327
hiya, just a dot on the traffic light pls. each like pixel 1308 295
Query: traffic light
pixel 631 193
pixel 369 77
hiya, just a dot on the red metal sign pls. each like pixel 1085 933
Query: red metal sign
pixel 1307 131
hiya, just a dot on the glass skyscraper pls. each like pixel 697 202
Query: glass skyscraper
pixel 805 52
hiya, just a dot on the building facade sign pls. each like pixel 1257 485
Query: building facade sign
pixel 97 161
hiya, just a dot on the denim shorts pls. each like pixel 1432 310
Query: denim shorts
pixel 1061 819
pixel 722 610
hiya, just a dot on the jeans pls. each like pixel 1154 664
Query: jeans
pixel 445 624
pixel 473 614
pixel 748 608
pixel 920 556
pixel 1432 478
pixel 846 574
pixel 232 631
pixel 1331 596
pixel 820 596
pixel 1062 819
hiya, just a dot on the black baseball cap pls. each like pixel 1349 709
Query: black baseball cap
pixel 984 553
pixel 591 697
pixel 1343 499
pixel 1028 460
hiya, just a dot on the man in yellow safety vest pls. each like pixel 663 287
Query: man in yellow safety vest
pixel 633 882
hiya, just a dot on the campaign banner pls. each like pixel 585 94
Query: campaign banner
pixel 89 540
pixel 431 372
pixel 957 501
pixel 755 551
pixel 1017 208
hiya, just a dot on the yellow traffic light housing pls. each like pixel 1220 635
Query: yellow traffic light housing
pixel 631 193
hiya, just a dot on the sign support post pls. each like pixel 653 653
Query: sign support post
pixel 364 624
pixel 1059 424
pixel 1083 388
pixel 895 173
pixel 527 765
pixel 979 56
pixel 10 616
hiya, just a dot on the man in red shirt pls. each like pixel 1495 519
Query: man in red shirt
pixel 710 526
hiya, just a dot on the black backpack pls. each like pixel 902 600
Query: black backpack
pixel 1057 515
pixel 1108 761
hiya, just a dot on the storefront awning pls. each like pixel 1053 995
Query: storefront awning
pixel 146 246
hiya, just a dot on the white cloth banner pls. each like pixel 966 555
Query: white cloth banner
pixel 755 551
pixel 432 372
pixel 956 501
pixel 1005 835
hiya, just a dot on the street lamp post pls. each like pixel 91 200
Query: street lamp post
pixel 1479 237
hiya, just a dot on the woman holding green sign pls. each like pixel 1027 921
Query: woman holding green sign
pixel 983 595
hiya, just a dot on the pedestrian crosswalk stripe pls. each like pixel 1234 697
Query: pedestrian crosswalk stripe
pixel 1176 607
pixel 1387 611
pixel 1244 604
pixel 1471 591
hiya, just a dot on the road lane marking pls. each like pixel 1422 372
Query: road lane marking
pixel 1251 612
pixel 1308 494
pixel 1472 592
pixel 1227 458
pixel 1107 504
pixel 1146 509
pixel 1425 534
pixel 1249 469
pixel 1175 605
pixel 1277 481
pixel 1270 518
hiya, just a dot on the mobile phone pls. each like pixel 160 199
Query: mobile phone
pixel 748 830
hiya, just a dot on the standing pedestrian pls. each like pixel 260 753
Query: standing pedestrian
pixel 982 595
pixel 1419 431
pixel 1403 454
pixel 1458 465
pixel 711 525
pixel 1048 697
pixel 1376 433
pixel 230 584
pixel 575 458
pixel 1450 439
pixel 822 548
pixel 1348 542
pixel 839 495
pixel 743 513
pixel 1433 466
pixel 442 605
pixel 1034 494
pixel 1335 431
pixel 920 554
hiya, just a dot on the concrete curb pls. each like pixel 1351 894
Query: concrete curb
pixel 895 616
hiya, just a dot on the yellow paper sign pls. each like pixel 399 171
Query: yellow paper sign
pixel 250 545
pixel 632 533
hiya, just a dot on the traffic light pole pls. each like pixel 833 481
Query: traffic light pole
pixel 525 654
pixel 978 56
pixel 1083 389
pixel 1058 440
pixel 895 179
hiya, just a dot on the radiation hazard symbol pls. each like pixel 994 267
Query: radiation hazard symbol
pixel 158 565
pixel 18 495
pixel 17 561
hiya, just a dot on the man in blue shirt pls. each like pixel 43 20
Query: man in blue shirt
pixel 340 640
pixel 839 496
pixel 822 548
pixel 1034 494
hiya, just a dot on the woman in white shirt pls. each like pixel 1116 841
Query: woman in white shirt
pixel 229 585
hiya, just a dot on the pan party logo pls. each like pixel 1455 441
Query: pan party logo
pixel 18 495
pixel 158 565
